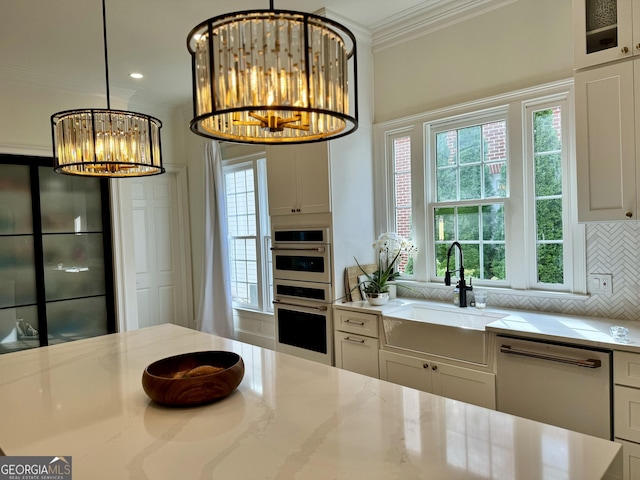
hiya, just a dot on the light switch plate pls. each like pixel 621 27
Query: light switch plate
pixel 600 283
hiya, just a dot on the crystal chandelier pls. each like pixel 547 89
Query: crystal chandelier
pixel 105 142
pixel 272 76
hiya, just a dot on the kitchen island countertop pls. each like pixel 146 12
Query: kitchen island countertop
pixel 289 418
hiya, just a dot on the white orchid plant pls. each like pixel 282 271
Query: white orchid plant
pixel 388 247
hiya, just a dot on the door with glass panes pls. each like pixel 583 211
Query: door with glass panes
pixel 55 255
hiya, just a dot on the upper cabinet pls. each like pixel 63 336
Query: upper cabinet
pixel 606 100
pixel 605 31
pixel 298 179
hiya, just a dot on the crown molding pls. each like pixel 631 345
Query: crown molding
pixel 32 150
pixel 426 18
pixel 362 33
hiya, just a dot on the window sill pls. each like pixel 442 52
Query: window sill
pixel 250 312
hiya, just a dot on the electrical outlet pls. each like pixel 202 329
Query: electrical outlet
pixel 600 283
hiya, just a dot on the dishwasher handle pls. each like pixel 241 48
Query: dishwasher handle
pixel 587 363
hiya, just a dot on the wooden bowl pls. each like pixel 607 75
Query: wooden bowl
pixel 193 378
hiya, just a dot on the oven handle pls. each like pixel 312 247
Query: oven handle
pixel 320 308
pixel 302 249
pixel 588 363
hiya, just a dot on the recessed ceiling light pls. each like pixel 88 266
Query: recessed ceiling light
pixel 136 75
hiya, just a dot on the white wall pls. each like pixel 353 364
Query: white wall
pixel 25 116
pixel 525 43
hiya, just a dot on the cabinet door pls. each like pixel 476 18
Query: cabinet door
pixel 357 353
pixel 55 255
pixel 605 143
pixel 313 178
pixel 626 408
pixel 466 385
pixel 630 460
pixel 298 179
pixel 602 31
pixel 19 322
pixel 281 179
pixel 626 369
pixel 404 370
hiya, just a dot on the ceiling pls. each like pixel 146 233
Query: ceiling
pixel 58 44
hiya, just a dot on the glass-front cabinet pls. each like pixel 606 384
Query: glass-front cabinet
pixel 605 31
pixel 55 255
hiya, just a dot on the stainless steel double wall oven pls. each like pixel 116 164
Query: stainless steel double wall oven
pixel 303 288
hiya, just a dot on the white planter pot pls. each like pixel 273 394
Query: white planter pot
pixel 378 298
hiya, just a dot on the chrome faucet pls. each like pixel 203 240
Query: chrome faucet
pixel 461 284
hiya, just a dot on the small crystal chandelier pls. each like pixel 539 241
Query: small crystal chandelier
pixel 272 76
pixel 106 143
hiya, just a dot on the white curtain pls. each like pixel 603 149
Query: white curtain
pixel 215 314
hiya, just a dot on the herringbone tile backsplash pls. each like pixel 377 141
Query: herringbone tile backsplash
pixel 611 248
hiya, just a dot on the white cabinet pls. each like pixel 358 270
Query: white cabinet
pixel 459 383
pixel 357 353
pixel 605 31
pixel 606 150
pixel 630 460
pixel 626 410
pixel 298 179
pixel 356 341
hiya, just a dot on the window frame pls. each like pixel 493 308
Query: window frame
pixel 519 212
pixel 257 162
pixel 573 233
pixel 431 129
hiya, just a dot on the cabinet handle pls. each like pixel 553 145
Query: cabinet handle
pixel 348 320
pixel 425 365
pixel 354 340
pixel 625 50
pixel 435 367
pixel 588 362
pixel 637 46
pixel 628 214
pixel 293 210
pixel 297 209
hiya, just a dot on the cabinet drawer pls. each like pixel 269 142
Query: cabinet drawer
pixel 626 369
pixel 626 417
pixel 357 353
pixel 357 322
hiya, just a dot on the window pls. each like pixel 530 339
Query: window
pixel 470 189
pixel 402 196
pixel 547 170
pixel 495 177
pixel 249 240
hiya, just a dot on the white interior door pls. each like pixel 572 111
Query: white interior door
pixel 158 260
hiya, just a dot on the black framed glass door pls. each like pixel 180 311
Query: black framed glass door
pixel 56 270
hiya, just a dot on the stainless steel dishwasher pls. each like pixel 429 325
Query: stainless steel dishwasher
pixel 566 386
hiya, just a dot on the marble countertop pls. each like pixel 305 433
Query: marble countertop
pixel 289 419
pixel 580 330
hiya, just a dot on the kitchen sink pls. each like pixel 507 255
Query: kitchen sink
pixel 457 333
